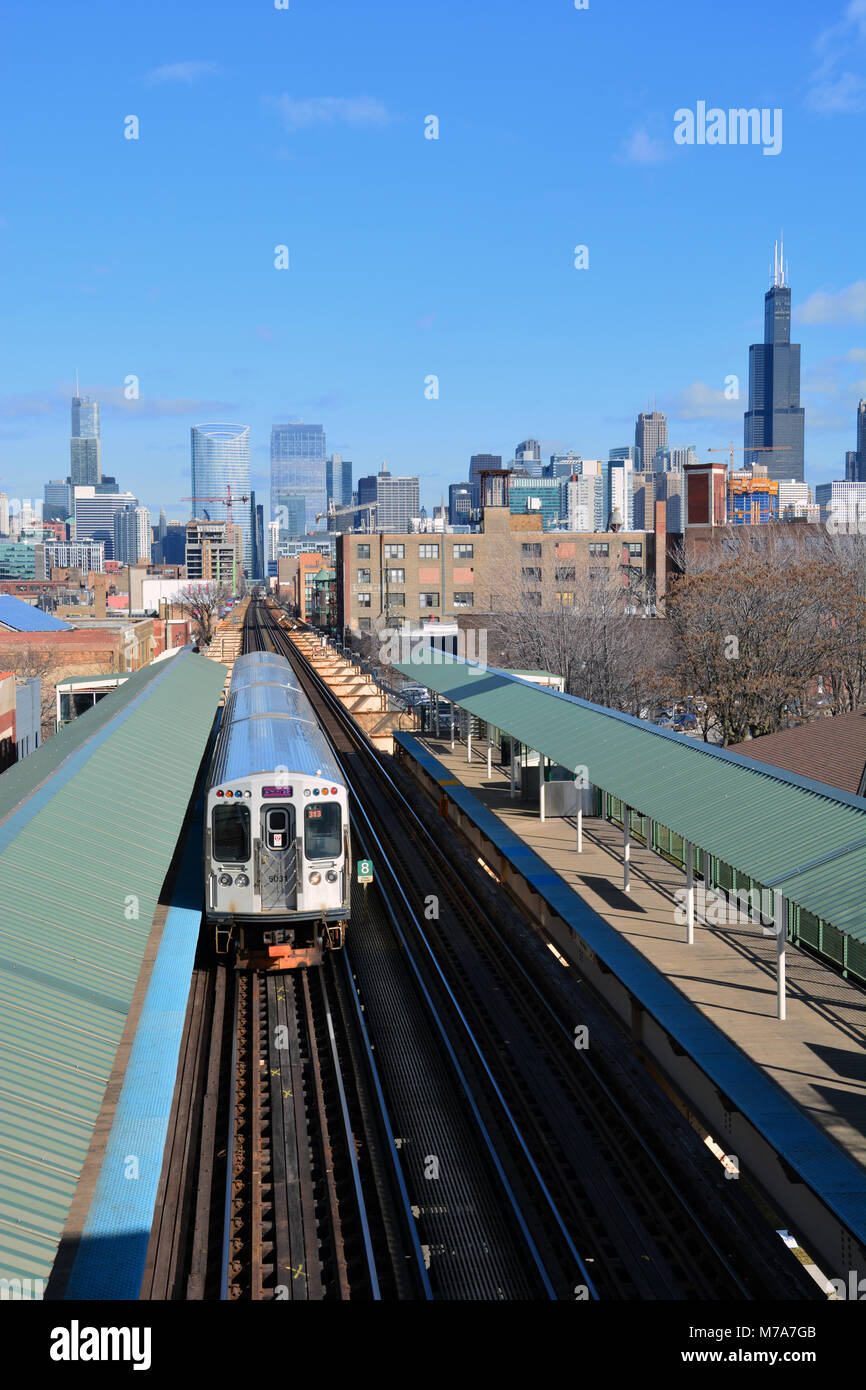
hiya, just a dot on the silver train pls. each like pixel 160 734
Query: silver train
pixel 277 851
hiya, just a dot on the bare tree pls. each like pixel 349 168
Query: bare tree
pixel 40 662
pixel 753 638
pixel 587 620
pixel 201 603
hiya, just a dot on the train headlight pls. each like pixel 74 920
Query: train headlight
pixel 242 881
pixel 226 880
pixel 332 875
pixel 315 878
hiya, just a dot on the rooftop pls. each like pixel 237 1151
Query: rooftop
pixel 18 616
pixel 788 832
pixel 110 791
pixel 831 750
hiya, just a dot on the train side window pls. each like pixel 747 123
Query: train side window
pixel 231 834
pixel 322 828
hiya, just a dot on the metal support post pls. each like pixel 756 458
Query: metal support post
pixel 690 893
pixel 780 916
pixel 626 849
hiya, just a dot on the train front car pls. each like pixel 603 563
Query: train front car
pixel 277 851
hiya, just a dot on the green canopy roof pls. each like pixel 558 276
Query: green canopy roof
pixel 804 838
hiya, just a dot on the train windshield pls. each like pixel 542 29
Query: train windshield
pixel 322 824
pixel 231 834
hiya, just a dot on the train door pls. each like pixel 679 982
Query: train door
pixel 278 860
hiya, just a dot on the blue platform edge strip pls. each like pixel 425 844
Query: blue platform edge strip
pixel 111 1256
pixel 835 1177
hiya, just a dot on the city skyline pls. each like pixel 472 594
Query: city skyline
pixel 379 296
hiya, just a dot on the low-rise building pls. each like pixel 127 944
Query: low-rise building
pixel 390 578
pixel 7 720
pixel 20 717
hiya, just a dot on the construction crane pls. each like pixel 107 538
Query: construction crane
pixel 227 501
pixel 752 449
pixel 331 513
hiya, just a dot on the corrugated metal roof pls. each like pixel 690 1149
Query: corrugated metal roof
pixel 803 837
pixel 88 827
pixel 23 617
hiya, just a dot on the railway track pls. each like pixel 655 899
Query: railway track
pixel 280 1181
pixel 598 1206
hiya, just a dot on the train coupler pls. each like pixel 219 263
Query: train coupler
pixel 335 935
pixel 222 937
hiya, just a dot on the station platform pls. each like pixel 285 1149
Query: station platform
pixel 801 1083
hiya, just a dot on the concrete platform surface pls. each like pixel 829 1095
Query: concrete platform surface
pixel 817 1055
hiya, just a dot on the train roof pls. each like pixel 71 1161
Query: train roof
pixel 260 668
pixel 268 724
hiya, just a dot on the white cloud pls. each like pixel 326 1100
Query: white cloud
pixel 313 111
pixel 845 95
pixel 839 306
pixel 183 72
pixel 833 88
pixel 643 148
pixel 702 402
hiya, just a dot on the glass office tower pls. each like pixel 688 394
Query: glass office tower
pixel 220 458
pixel 775 419
pixel 338 480
pixel 298 469
pixel 85 445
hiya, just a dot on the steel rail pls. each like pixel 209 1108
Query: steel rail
pixel 679 1199
pixel 476 1047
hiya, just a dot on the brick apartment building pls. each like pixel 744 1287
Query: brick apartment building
pixel 295 576
pixel 387 579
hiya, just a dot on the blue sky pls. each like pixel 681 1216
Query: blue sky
pixel 412 257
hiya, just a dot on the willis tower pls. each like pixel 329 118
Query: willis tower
pixel 775 417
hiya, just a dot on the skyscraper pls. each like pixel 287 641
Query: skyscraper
pixel 562 466
pixel 650 433
pixel 220 458
pixel 258 562
pixel 775 417
pixel 398 499
pixel 527 456
pixel 338 480
pixel 671 459
pixel 298 469
pixel 478 464
pixel 57 499
pixel 581 502
pixel 620 490
pixel 460 504
pixel 861 442
pixel 85 445
pixel 131 535
pixel 94 512
pixel 159 548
